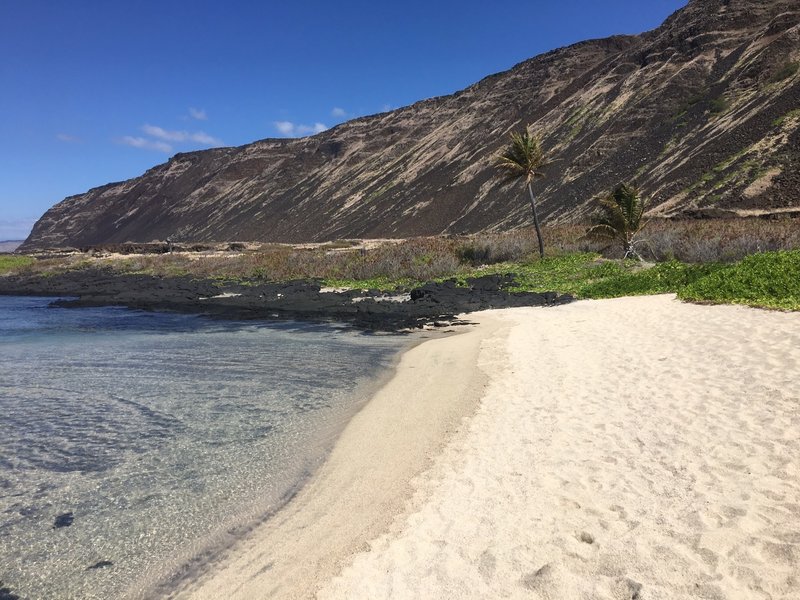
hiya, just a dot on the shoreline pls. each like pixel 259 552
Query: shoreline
pixel 251 516
pixel 630 448
pixel 175 492
pixel 637 447
pixel 432 304
pixel 353 497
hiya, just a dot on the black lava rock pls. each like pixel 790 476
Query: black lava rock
pixel 301 299
pixel 7 594
pixel 64 520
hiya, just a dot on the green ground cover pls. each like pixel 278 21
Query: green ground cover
pixel 764 279
pixel 768 279
pixel 8 263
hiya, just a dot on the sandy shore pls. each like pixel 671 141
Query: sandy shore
pixel 631 448
pixel 367 479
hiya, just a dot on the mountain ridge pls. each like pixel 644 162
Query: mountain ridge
pixel 702 111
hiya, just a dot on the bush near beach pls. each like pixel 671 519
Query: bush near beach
pixel 770 280
pixel 749 261
pixel 11 263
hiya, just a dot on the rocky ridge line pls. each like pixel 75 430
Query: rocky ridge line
pixel 703 111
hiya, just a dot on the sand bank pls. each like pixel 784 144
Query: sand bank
pixel 367 479
pixel 631 448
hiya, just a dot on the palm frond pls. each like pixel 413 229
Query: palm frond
pixel 620 216
pixel 602 231
pixel 523 158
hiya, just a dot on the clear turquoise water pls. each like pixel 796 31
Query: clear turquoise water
pixel 166 436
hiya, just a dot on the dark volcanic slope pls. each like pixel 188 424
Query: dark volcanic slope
pixel 704 111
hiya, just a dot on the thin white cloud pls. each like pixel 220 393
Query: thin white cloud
pixel 198 137
pixel 338 113
pixel 65 137
pixel 289 129
pixel 164 140
pixel 201 137
pixel 159 132
pixel 145 144
pixel 285 127
pixel 198 114
pixel 386 107
pixel 315 128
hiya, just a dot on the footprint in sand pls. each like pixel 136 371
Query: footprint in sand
pixel 586 537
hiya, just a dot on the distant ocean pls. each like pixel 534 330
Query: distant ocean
pixel 10 245
pixel 131 442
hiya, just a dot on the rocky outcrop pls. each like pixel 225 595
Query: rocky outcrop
pixel 435 303
pixel 704 112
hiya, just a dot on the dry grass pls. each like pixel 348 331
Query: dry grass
pixel 423 259
pixel 724 240
pixel 417 259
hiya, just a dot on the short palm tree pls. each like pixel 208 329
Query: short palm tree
pixel 523 160
pixel 620 217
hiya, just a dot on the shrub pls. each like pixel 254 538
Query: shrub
pixel 719 105
pixel 10 263
pixel 491 248
pixel 769 279
pixel 721 240
pixel 785 72
pixel 663 278
pixel 620 218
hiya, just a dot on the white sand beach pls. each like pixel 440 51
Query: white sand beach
pixel 637 448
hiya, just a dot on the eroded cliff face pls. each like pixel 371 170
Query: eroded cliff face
pixel 703 111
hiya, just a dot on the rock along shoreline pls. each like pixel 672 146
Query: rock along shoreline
pixel 432 304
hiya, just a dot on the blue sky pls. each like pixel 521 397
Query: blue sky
pixel 99 91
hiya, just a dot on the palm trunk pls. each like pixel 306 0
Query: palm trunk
pixel 536 222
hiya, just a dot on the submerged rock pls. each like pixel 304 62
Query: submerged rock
pixel 63 520
pixel 7 594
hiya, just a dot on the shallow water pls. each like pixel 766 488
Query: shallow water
pixel 164 435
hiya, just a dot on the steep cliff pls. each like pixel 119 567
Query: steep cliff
pixel 703 111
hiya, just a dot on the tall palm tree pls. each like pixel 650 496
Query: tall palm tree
pixel 620 217
pixel 523 160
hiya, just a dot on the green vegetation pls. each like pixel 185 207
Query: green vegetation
pixel 9 263
pixel 573 273
pixel 375 194
pixel 719 105
pixel 748 261
pixel 662 278
pixel 785 72
pixel 723 174
pixel 725 164
pixel 716 106
pixel 568 273
pixel 523 160
pixel 588 275
pixel 769 280
pixel 385 284
pixel 620 218
pixel 683 108
pixel 792 114
pixel 576 122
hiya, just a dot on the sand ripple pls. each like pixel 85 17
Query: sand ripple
pixel 631 448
